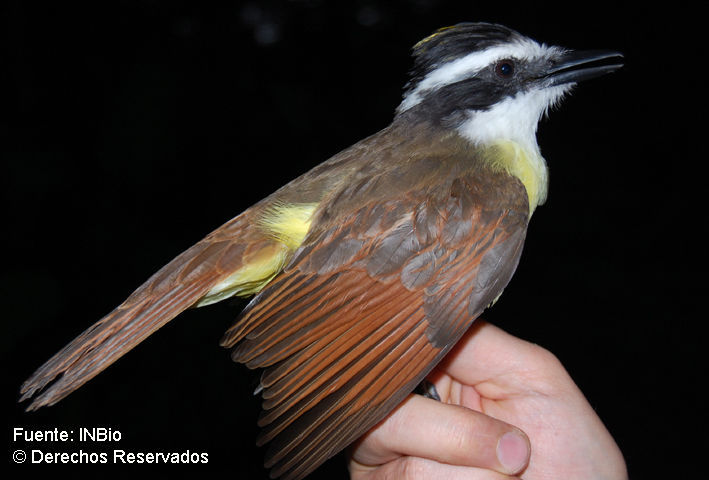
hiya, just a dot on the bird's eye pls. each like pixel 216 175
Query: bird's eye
pixel 505 68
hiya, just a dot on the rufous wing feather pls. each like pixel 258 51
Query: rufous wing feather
pixel 366 308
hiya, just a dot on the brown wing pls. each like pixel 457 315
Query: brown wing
pixel 370 303
pixel 243 244
pixel 242 256
pixel 174 288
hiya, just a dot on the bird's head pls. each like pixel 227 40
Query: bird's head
pixel 491 83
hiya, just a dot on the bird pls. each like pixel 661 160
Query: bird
pixel 366 270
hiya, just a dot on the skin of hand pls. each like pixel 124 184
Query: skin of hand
pixel 489 382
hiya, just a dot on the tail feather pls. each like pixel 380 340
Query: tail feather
pixel 173 289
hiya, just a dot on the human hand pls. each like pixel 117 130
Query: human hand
pixel 487 383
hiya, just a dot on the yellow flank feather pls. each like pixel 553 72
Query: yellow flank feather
pixel 286 223
pixel 249 279
pixel 528 166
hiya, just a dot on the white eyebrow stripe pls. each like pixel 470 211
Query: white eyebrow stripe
pixel 463 67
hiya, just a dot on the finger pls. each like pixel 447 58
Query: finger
pixel 416 468
pixel 487 352
pixel 446 433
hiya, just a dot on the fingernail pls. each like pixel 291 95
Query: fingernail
pixel 513 451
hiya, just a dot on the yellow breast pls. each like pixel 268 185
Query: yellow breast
pixel 528 166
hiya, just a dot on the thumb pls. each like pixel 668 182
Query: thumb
pixel 449 434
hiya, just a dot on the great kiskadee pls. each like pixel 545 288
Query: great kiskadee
pixel 367 269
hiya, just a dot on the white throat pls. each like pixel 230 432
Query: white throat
pixel 512 125
pixel 514 119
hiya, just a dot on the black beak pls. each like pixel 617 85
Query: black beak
pixel 576 66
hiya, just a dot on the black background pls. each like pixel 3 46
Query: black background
pixel 130 131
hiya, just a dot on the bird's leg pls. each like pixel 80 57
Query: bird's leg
pixel 428 390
